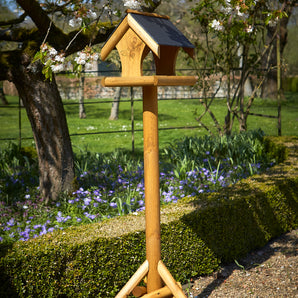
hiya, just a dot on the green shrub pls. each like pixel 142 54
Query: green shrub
pixel 244 218
pixel 275 151
pixel 197 234
pixel 290 84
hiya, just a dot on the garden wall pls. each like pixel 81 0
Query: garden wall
pixel 197 234
pixel 69 89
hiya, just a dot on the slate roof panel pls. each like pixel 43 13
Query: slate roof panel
pixel 162 31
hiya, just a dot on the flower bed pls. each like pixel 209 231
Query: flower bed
pixel 97 259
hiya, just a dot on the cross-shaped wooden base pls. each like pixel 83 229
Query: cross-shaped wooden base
pixel 172 288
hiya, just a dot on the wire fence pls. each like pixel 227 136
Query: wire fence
pixel 132 100
pixel 131 131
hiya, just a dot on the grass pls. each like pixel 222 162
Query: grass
pixel 172 113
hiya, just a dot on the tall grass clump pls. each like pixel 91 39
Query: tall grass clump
pixel 239 155
pixel 112 184
pixel 18 172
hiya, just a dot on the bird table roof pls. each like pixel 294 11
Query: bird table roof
pixel 162 31
pixel 153 29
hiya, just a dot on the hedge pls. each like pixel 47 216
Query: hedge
pixel 197 235
pixel 290 84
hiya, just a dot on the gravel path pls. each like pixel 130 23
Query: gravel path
pixel 271 271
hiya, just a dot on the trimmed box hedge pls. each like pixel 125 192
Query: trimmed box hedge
pixel 197 235
pixel 290 84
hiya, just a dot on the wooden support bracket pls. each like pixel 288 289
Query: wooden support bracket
pixel 169 280
pixel 134 280
pixel 164 292
pixel 172 288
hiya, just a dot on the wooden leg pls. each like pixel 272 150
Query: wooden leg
pixel 170 281
pixel 134 280
pixel 151 177
pixel 139 291
pixel 164 292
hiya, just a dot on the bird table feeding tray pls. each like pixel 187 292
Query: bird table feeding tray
pixel 136 36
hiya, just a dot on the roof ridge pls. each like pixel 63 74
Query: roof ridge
pixel 149 14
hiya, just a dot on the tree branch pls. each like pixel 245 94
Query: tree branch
pixel 56 37
pixel 18 34
pixel 51 7
pixel 37 14
pixel 16 21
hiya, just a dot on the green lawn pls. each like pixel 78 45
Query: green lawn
pixel 172 113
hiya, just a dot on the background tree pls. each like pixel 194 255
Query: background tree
pixel 2 95
pixel 40 96
pixel 35 53
pixel 269 88
pixel 235 34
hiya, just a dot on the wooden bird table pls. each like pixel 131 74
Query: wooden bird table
pixel 153 267
pixel 136 36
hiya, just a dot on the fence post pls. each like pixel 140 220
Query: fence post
pixel 132 121
pixel 278 77
pixel 20 123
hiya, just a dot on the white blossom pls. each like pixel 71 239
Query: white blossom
pixel 79 60
pixel 59 58
pixel 249 29
pixel 44 47
pixel 52 52
pixel 133 4
pixel 86 57
pixel 91 14
pixel 216 25
pixel 239 13
pixel 57 67
pixel 95 56
pixel 75 22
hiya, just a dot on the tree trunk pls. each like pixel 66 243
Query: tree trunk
pixel 48 121
pixel 115 106
pixel 2 97
pixel 82 113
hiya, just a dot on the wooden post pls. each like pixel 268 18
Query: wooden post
pixel 151 176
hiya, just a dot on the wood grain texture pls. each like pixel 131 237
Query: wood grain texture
pixel 148 81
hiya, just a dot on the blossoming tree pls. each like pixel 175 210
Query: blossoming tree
pixel 235 37
pixel 38 51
